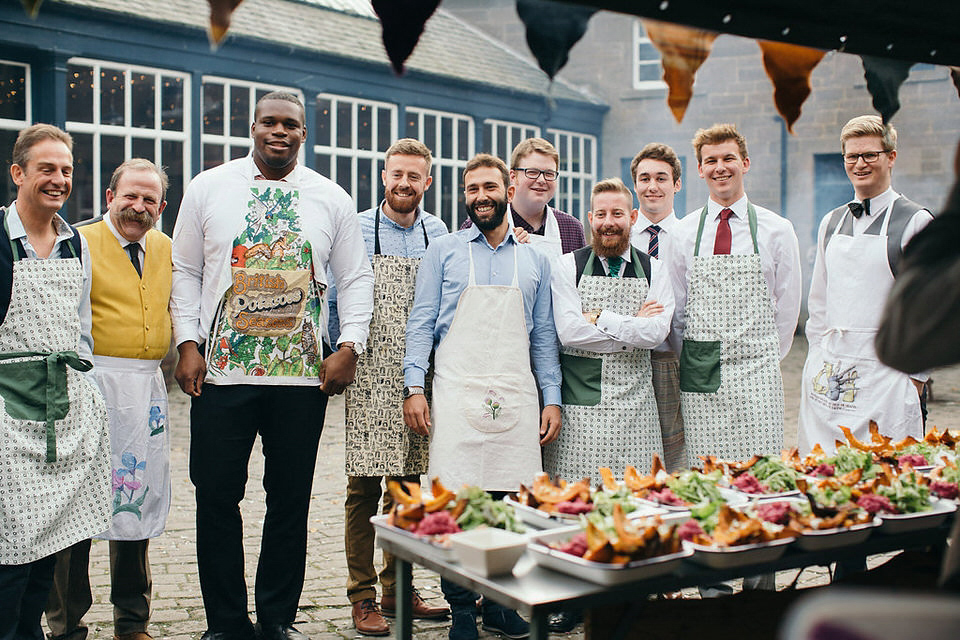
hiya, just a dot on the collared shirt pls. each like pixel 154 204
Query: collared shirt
pixel 141 243
pixel 64 233
pixel 571 229
pixel 779 260
pixel 640 238
pixel 441 279
pixel 613 332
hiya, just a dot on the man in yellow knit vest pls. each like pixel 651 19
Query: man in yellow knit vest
pixel 129 298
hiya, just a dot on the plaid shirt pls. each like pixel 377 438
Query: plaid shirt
pixel 571 231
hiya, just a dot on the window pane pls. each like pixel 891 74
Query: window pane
pixel 79 94
pixel 172 160
pixel 344 174
pixel 463 140
pixel 575 154
pixel 8 190
pixel 384 129
pixel 213 108
pixel 111 155
pixel 112 83
pixel 564 155
pixel 322 163
pixel 430 137
pixel 364 195
pixel 322 130
pixel 413 129
pixel 502 143
pixel 646 51
pixel 171 102
pixel 80 203
pixel 446 135
pixel 447 197
pixel 378 182
pixel 487 138
pixel 13 95
pixel 142 148
pixel 240 112
pixel 212 155
pixel 588 155
pixel 238 151
pixel 344 125
pixel 141 100
pixel 649 72
pixel 364 128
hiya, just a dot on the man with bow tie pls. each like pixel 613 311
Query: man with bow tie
pixel 859 249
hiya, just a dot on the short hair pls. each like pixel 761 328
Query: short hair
pixel 286 96
pixel 661 152
pixel 487 160
pixel 33 135
pixel 533 145
pixel 611 185
pixel 869 126
pixel 718 134
pixel 140 164
pixel 410 147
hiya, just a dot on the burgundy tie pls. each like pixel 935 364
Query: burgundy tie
pixel 721 246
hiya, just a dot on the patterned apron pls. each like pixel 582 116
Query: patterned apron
pixel 268 327
pixel 378 443
pixel 843 381
pixel 610 416
pixel 731 390
pixel 54 442
pixel 486 408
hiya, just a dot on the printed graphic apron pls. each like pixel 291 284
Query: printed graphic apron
pixel 136 399
pixel 843 382
pixel 54 443
pixel 550 243
pixel 269 326
pixel 610 416
pixel 731 390
pixel 378 443
pixel 486 409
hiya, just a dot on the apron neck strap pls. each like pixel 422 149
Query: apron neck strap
pixel 751 218
pixel 472 281
pixel 376 231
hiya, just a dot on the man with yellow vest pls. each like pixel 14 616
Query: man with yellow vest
pixel 129 297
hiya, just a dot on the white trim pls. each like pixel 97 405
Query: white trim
pixel 526 131
pixel 444 158
pixel 574 199
pixel 16 125
pixel 640 38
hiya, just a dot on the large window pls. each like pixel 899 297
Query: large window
pixel 116 112
pixel 831 187
pixel 450 137
pixel 350 138
pixel 14 115
pixel 647 70
pixel 578 170
pixel 228 107
pixel 499 137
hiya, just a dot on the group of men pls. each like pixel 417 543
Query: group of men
pixel 480 357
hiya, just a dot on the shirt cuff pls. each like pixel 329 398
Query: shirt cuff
pixel 610 323
pixel 414 377
pixel 551 395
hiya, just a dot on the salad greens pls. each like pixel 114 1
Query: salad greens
pixel 774 474
pixel 847 459
pixel 907 493
pixel 482 509
pixel 696 487
pixel 604 499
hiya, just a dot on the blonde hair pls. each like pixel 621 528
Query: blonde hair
pixel 533 145
pixel 862 126
pixel 410 147
pixel 718 134
pixel 611 185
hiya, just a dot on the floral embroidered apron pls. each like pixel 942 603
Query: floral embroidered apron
pixel 731 389
pixel 610 416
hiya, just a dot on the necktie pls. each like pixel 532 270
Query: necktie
pixel 721 246
pixel 134 250
pixel 858 209
pixel 613 265
pixel 654 232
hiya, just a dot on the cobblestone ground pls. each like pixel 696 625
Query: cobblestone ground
pixel 324 611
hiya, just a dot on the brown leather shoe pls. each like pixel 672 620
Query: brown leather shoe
pixel 136 635
pixel 368 620
pixel 421 610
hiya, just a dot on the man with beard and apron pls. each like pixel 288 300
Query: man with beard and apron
pixel 483 301
pixel 378 443
pixel 130 296
pixel 612 304
pixel 55 466
pixel 251 248
pixel 859 247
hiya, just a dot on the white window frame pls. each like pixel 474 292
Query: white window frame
pixel 368 157
pixel 127 131
pixel 587 175
pixel 526 131
pixel 17 125
pixel 446 157
pixel 640 38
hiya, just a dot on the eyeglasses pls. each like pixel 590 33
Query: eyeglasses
pixel 548 174
pixel 869 156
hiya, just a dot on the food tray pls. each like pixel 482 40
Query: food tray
pixel 738 556
pixel 425 545
pixel 779 495
pixel 821 539
pixel 733 498
pixel 601 573
pixel 906 522
pixel 541 519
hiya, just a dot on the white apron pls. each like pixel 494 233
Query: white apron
pixel 843 381
pixel 486 410
pixel 615 423
pixel 550 243
pixel 136 398
pixel 54 476
pixel 378 443
pixel 731 389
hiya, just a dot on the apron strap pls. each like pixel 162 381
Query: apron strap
pixel 751 218
pixel 376 232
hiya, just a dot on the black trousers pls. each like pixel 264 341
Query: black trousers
pixel 224 423
pixel 23 593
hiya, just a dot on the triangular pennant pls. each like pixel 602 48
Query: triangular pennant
pixel 220 12
pixel 32 7
pixel 884 77
pixel 402 22
pixel 789 67
pixel 682 51
pixel 955 74
pixel 552 30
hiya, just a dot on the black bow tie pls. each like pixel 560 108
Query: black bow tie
pixel 858 209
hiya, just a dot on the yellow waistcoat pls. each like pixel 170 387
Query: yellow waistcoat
pixel 130 315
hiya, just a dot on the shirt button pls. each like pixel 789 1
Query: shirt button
pixel 624 348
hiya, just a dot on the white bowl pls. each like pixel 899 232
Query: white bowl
pixel 488 551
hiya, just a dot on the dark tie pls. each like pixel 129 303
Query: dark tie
pixel 654 232
pixel 858 209
pixel 613 266
pixel 721 246
pixel 134 250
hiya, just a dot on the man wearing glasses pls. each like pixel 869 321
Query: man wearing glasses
pixel 859 249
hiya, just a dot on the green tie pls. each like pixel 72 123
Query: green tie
pixel 613 265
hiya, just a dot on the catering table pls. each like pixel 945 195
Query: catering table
pixel 536 591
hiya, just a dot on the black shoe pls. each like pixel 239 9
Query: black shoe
pixel 564 621
pixel 464 626
pixel 244 633
pixel 506 622
pixel 278 632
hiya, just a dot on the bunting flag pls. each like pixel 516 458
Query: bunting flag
pixel 789 67
pixel 884 77
pixel 402 22
pixel 32 7
pixel 552 30
pixel 955 74
pixel 682 51
pixel 220 12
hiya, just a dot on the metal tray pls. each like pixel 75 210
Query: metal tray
pixel 821 539
pixel 738 556
pixel 541 519
pixel 425 545
pixel 905 522
pixel 734 499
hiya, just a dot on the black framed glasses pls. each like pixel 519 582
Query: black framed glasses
pixel 868 156
pixel 548 174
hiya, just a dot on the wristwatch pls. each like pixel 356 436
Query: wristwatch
pixel 352 347
pixel 412 391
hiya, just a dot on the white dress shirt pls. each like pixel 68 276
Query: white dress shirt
pixel 613 332
pixel 141 243
pixel 640 238
pixel 779 260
